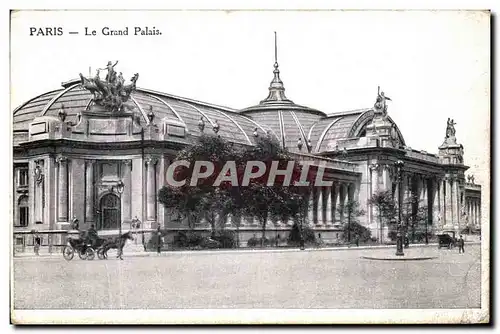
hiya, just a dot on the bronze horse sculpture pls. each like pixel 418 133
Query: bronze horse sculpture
pixel 109 94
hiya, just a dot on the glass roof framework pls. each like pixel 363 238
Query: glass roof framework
pixel 232 125
pixel 284 120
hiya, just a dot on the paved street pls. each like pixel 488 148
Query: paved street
pixel 308 279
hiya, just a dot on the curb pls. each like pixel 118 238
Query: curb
pixel 399 258
pixel 244 251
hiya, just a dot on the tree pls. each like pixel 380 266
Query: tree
pixel 204 200
pixel 415 216
pixel 356 231
pixel 353 212
pixel 299 233
pixel 385 206
pixel 277 202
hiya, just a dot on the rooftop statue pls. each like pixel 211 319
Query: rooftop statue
pixel 450 128
pixel 111 93
pixel 380 103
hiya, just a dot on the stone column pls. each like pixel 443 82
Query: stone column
pixel 329 194
pixel 89 191
pixel 442 201
pixel 450 215
pixel 469 211
pixel 423 193
pixel 374 178
pixel 435 201
pixel 310 209
pixel 320 215
pixel 456 203
pixel 151 188
pixel 386 177
pixel 479 212
pixel 62 190
pixel 335 195
pixel 473 211
pixel 476 220
pixel 39 193
pixel 342 196
pixel 127 190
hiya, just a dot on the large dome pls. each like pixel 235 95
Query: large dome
pixel 289 122
pixel 304 129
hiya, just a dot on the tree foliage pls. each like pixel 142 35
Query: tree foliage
pixel 415 217
pixel 294 237
pixel 386 210
pixel 276 202
pixel 352 212
pixel 202 200
pixel 356 231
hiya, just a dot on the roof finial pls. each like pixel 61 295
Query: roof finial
pixel 276 89
pixel 275 50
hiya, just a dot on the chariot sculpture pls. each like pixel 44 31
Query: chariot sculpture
pixel 112 92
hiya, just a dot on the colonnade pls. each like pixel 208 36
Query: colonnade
pixel 473 209
pixel 327 205
pixel 442 196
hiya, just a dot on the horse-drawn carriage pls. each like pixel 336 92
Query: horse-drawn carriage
pixel 447 239
pixel 87 249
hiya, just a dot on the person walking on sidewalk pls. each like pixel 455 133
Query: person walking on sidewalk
pixel 461 243
pixel 37 242
pixel 158 240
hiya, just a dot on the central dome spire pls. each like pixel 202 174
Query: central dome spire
pixel 276 88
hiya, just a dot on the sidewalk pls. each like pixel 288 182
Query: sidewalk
pixel 140 253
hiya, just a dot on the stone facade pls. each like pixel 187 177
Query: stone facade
pixel 70 156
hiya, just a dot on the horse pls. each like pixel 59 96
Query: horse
pixel 116 243
pixel 100 89
pixel 127 89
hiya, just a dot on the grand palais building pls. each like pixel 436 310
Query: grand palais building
pixel 98 150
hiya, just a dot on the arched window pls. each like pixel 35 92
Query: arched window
pixel 23 210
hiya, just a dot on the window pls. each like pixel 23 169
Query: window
pixel 23 211
pixel 109 171
pixel 23 177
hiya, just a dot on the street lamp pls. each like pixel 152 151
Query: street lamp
pixel 119 187
pixel 399 239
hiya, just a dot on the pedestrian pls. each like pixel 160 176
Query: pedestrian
pixel 461 243
pixel 75 223
pixel 37 242
pixel 159 241
pixel 357 241
pixel 277 240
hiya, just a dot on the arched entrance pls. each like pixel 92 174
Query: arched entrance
pixel 110 212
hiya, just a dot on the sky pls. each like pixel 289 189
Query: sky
pixel 432 64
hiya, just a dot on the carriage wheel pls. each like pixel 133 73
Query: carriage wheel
pixel 100 254
pixel 68 253
pixel 90 254
pixel 82 254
